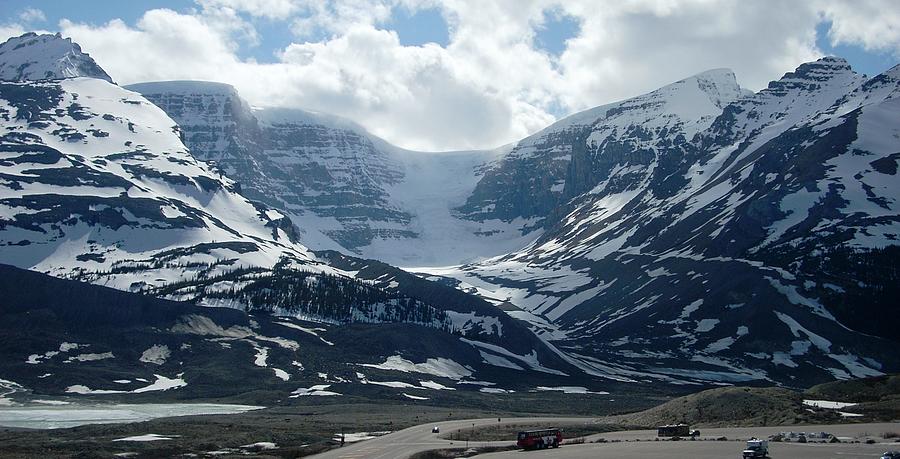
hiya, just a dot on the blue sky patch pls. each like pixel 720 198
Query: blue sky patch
pixel 871 62
pixel 419 27
pixel 558 27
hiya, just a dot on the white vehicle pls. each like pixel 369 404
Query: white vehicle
pixel 435 429
pixel 756 449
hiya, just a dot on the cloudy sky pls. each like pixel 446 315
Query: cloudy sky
pixel 459 74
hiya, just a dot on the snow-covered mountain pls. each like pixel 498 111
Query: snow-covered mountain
pixel 96 177
pixel 697 233
pixel 97 185
pixel 618 143
pixel 756 245
pixel 646 239
pixel 46 57
pixel 345 189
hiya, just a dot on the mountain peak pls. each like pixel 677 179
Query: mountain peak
pixel 720 85
pixel 826 71
pixel 46 57
pixel 723 73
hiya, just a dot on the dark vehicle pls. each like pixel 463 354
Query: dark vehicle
pixel 695 433
pixel 435 429
pixel 675 430
pixel 539 439
pixel 756 449
pixel 891 455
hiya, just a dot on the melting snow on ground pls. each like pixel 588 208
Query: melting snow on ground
pixel 441 367
pixel 318 389
pixel 569 390
pixel 434 385
pixel 8 388
pixel 281 374
pixel 72 415
pixel 531 360
pixel 495 390
pixel 195 324
pixel 51 402
pixel 162 383
pixel 497 361
pixel 156 354
pixel 148 437
pixel 260 446
pixel 90 357
pixel 311 331
pixel 358 436
pixel 827 404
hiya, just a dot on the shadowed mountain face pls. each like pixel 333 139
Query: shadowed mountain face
pixel 83 341
pixel 290 159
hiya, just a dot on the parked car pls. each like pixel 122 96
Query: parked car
pixel 756 449
pixel 435 429
pixel 891 455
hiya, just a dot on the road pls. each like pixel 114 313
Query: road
pixel 695 450
pixel 629 444
pixel 406 442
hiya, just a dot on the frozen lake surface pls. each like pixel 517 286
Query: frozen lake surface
pixel 57 417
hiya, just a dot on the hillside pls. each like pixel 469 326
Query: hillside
pixel 870 399
pixel 77 342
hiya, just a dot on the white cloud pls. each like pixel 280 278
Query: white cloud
pixel 873 24
pixel 636 47
pixel 337 17
pixel 490 84
pixel 271 9
pixel 8 31
pixel 32 15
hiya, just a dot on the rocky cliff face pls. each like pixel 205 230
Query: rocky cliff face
pixel 297 161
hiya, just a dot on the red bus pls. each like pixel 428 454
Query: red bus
pixel 539 439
